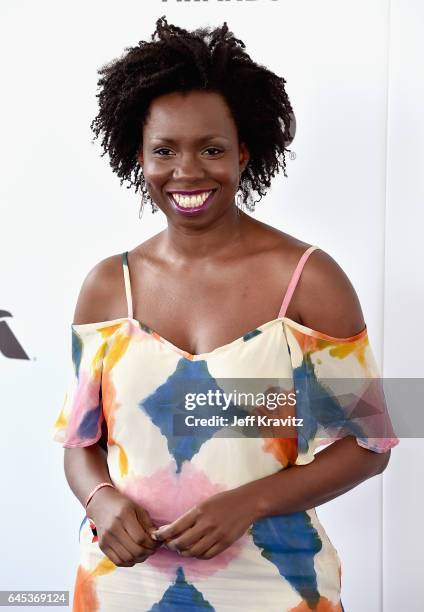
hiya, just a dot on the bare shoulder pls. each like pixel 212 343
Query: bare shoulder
pixel 326 298
pixel 102 293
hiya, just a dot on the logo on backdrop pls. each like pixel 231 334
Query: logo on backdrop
pixel 9 345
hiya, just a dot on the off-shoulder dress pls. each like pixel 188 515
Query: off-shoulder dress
pixel 127 376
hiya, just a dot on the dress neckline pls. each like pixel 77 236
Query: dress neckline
pixel 245 337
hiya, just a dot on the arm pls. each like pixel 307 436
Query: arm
pixel 123 527
pixel 328 302
pixel 341 466
pixel 213 526
pixel 335 310
pixel 84 468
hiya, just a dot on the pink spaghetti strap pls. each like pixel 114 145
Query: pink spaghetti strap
pixel 294 279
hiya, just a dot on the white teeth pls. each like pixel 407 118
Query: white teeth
pixel 191 201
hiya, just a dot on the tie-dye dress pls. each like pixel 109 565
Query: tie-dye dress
pixel 126 374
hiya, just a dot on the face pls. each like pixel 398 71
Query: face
pixel 191 157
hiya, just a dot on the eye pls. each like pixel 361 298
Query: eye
pixel 215 149
pixel 161 149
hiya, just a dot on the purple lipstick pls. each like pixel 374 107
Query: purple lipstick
pixel 191 202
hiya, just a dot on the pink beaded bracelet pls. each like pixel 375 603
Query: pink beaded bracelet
pixel 96 488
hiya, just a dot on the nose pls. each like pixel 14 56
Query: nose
pixel 188 167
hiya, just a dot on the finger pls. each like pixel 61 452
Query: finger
pixel 138 533
pixel 143 518
pixel 200 547
pixel 178 526
pixel 133 548
pixel 112 551
pixel 141 558
pixel 213 551
pixel 159 534
pixel 111 554
pixel 124 547
pixel 186 540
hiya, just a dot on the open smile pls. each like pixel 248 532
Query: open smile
pixel 190 203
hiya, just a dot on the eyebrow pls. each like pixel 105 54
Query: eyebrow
pixel 201 139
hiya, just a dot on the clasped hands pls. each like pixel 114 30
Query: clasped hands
pixel 210 527
pixel 127 535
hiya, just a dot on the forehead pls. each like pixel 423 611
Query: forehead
pixel 185 114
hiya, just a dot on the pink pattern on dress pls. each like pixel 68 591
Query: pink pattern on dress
pixel 84 399
pixel 166 495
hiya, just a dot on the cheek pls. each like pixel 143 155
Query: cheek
pixel 155 175
pixel 224 173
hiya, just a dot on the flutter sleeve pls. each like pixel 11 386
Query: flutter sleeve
pixel 339 390
pixel 79 422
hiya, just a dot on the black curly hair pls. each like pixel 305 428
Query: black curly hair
pixel 181 61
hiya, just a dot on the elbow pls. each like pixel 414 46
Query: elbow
pixel 374 462
pixel 383 461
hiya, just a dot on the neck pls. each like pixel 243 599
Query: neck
pixel 223 238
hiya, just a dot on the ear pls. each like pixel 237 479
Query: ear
pixel 244 156
pixel 140 157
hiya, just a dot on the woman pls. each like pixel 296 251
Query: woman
pixel 215 519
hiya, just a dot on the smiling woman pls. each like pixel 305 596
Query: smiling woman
pixel 188 180
pixel 213 516
pixel 255 100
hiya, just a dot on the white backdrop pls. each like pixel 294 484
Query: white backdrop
pixel 354 77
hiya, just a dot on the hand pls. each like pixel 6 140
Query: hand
pixel 123 527
pixel 211 526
